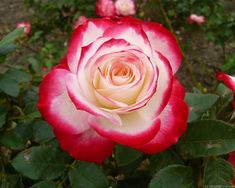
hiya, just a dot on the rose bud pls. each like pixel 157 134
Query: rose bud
pixel 229 81
pixel 193 18
pixel 125 7
pixel 105 8
pixel 26 26
pixel 116 84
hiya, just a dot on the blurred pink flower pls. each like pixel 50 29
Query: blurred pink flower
pixel 26 26
pixel 125 7
pixel 79 21
pixel 193 18
pixel 105 8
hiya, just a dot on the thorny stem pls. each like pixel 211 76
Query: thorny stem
pixel 186 61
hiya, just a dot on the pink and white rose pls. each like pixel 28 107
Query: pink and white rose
pixel 229 81
pixel 193 18
pixel 26 26
pixel 125 7
pixel 116 84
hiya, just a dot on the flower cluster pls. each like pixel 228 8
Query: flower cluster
pixel 109 8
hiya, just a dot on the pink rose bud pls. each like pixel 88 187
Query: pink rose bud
pixel 125 7
pixel 116 84
pixel 229 81
pixel 80 21
pixel 193 18
pixel 105 8
pixel 26 26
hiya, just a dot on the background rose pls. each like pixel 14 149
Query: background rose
pixel 26 26
pixel 193 18
pixel 116 84
pixel 105 8
pixel 229 82
pixel 125 7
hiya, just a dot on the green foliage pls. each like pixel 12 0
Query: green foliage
pixel 87 175
pixel 7 44
pixel 199 103
pixel 207 138
pixel 217 172
pixel 174 176
pixel 41 162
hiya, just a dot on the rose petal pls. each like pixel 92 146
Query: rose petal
pixel 132 33
pixel 173 124
pixel 177 89
pixel 164 42
pixel 164 85
pixel 56 106
pixel 228 80
pixel 83 103
pixel 82 36
pixel 134 130
pixel 88 146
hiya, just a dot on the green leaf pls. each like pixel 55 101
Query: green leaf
pixel 217 172
pixel 207 138
pixel 163 159
pixel 3 114
pixel 12 36
pixel 42 131
pixel 18 75
pixel 45 184
pixel 126 155
pixel 199 103
pixel 173 176
pixel 87 175
pixel 7 43
pixel 41 162
pixel 12 140
pixel 9 85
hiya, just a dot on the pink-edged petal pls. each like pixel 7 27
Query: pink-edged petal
pixel 56 106
pixel 87 146
pixel 83 36
pixel 178 89
pixel 132 33
pixel 173 124
pixel 163 91
pixel 164 42
pixel 229 81
pixel 83 103
pixel 133 131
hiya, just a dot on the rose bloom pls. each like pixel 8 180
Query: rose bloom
pixel 115 84
pixel 79 21
pixel 26 26
pixel 125 7
pixel 231 160
pixel 193 18
pixel 229 82
pixel 105 8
